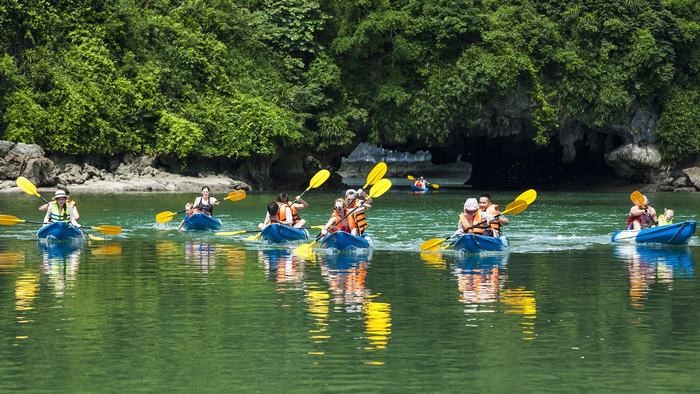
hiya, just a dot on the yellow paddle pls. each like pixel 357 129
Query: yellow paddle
pixel 9 220
pixel 529 196
pixel 166 216
pixel 28 187
pixel 513 208
pixel 317 180
pixel 380 187
pixel 433 185
pixel 376 174
pixel 637 198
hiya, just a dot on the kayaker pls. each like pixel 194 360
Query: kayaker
pixel 492 214
pixel 69 201
pixel 203 204
pixel 289 210
pixel 471 220
pixel 348 224
pixel 641 217
pixel 60 211
pixel 667 217
pixel 358 201
pixel 421 183
pixel 271 215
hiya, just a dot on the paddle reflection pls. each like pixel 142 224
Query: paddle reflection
pixel 433 260
pixel 11 259
pixel 648 265
pixel 283 267
pixel 60 262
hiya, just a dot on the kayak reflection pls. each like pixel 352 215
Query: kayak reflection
pixel 60 262
pixel 647 265
pixel 283 267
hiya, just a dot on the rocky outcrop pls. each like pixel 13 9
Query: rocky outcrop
pixel 400 164
pixel 635 161
pixel 131 173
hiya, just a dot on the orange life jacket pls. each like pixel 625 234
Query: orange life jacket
pixel 493 211
pixel 346 225
pixel 282 213
pixel 476 222
pixel 359 217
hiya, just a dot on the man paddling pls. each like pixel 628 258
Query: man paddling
pixel 358 202
pixel 59 210
pixel 641 216
pixel 491 214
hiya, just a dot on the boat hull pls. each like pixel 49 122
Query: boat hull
pixel 672 234
pixel 474 243
pixel 341 240
pixel 60 231
pixel 201 221
pixel 419 190
pixel 279 233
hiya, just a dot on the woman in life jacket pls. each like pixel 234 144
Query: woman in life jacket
pixel 59 210
pixel 202 204
pixel 421 183
pixel 471 221
pixel 289 209
pixel 340 220
pixel 641 217
pixel 69 201
pixel 358 202
pixel 491 213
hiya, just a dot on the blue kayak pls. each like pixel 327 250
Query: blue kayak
pixel 277 233
pixel 672 234
pixel 201 221
pixel 417 189
pixel 345 241
pixel 60 231
pixel 475 243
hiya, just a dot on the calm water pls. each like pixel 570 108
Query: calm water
pixel 156 309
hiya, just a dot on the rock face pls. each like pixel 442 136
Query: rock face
pixel 400 164
pixel 634 161
pixel 132 173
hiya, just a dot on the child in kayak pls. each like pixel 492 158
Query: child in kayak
pixel 667 217
pixel 340 211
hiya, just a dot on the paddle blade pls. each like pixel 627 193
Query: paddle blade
pixel 318 227
pixel 515 207
pixel 254 237
pixel 27 186
pixel 379 188
pixel 95 238
pixel 411 178
pixel 227 233
pixel 304 249
pixel 529 196
pixel 435 186
pixel 376 174
pixel 108 229
pixel 432 244
pixel 165 216
pixel 9 220
pixel 318 179
pixel 236 195
pixel 637 198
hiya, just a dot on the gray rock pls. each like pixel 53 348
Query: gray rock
pixel 26 150
pixel 685 189
pixel 666 188
pixel 72 174
pixel 635 161
pixel 39 170
pixel 5 147
pixel 693 174
pixel 680 182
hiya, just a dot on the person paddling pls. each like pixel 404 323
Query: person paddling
pixel 471 221
pixel 490 212
pixel 642 216
pixel 421 183
pixel 202 204
pixel 288 210
pixel 272 215
pixel 359 201
pixel 69 201
pixel 348 224
pixel 59 210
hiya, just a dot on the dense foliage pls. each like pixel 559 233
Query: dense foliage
pixel 225 78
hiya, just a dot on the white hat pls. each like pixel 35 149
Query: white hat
pixel 59 194
pixel 349 192
pixel 471 204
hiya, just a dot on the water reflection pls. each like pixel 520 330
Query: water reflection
pixel 284 267
pixel 235 259
pixel 11 259
pixel 521 301
pixel 60 262
pixel 433 260
pixel 200 254
pixel 647 265
pixel 479 280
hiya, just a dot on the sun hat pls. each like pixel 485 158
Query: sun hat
pixel 59 194
pixel 471 204
pixel 349 192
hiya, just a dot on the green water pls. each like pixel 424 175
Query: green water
pixel 156 309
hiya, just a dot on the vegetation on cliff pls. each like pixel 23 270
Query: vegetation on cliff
pixel 231 79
